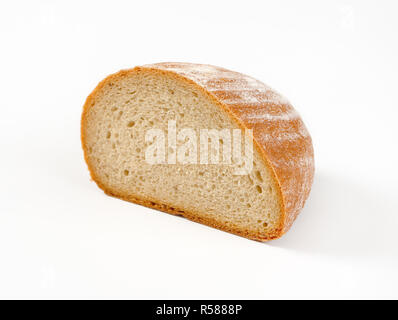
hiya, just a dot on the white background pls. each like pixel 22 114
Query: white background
pixel 61 237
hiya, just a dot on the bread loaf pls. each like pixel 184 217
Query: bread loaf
pixel 121 129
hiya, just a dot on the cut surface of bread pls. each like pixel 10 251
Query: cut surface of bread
pixel 259 204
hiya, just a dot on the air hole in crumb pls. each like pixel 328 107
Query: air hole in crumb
pixel 131 124
pixel 270 189
pixel 201 173
pixel 113 109
pixel 108 135
pixel 228 206
pixel 258 175
pixel 132 92
pixel 126 172
pixel 138 150
pixel 265 224
pixel 171 91
pixel 249 205
pixel 259 189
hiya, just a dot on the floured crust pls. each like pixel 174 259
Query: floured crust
pixel 279 135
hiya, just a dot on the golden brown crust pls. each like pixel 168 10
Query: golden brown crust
pixel 282 139
pixel 196 218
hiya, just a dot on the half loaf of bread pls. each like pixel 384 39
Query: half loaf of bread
pixel 128 112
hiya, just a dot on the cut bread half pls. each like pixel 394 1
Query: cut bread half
pixel 142 140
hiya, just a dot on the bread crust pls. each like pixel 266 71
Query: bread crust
pixel 279 135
